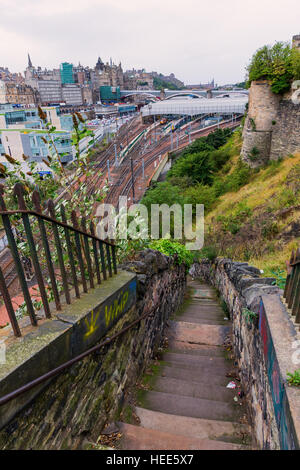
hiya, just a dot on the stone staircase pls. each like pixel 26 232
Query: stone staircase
pixel 184 402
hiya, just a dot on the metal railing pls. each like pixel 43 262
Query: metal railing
pixel 59 250
pixel 292 286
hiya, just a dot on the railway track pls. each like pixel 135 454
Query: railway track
pixel 163 146
pixel 100 168
pixel 121 175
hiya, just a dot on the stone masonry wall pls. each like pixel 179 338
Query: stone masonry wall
pixel 76 405
pixel 261 140
pixel 272 125
pixel 286 130
pixel 241 287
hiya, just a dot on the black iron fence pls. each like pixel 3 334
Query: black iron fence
pixel 65 256
pixel 292 286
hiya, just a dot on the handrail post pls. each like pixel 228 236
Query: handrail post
pixel 19 192
pixel 16 257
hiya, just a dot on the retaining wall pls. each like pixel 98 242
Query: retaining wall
pixel 74 408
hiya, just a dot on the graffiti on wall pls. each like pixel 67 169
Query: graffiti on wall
pixel 92 324
pixel 102 318
pixel 276 383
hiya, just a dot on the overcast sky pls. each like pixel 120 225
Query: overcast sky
pixel 195 39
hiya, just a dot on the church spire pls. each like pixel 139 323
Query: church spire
pixel 29 62
pixel 99 64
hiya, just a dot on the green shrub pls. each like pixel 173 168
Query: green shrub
pixel 163 193
pixel 234 227
pixel 233 222
pixel 250 316
pixel 239 177
pixel 200 194
pixel 195 165
pixel 253 125
pixel 280 276
pixel 270 229
pixel 272 168
pixel 294 379
pixel 171 248
pixel 254 153
pixel 279 64
pixel 286 198
pixel 209 252
pixel 202 158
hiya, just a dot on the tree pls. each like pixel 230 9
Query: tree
pixel 71 188
pixel 74 183
pixel 279 64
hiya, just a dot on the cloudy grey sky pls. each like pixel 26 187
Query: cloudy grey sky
pixel 195 39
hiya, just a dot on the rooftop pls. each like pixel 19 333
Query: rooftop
pixel 193 107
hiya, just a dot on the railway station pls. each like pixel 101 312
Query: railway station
pixel 196 107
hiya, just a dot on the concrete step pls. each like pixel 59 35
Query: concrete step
pixel 202 294
pixel 208 302
pixel 203 376
pixel 195 361
pixel 189 406
pixel 195 308
pixel 197 427
pixel 181 347
pixel 208 309
pixel 199 288
pixel 194 389
pixel 199 334
pixel 202 321
pixel 137 438
pixel 198 370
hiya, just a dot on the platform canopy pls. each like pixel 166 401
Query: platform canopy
pixel 195 107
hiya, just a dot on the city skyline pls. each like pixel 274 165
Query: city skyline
pixel 196 42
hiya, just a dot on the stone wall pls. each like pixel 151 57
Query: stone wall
pixel 263 347
pixel 260 140
pixel 286 130
pixel 272 125
pixel 74 408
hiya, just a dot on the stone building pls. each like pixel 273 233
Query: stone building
pixel 72 94
pixel 110 75
pixel 34 75
pixel 50 91
pixel 130 81
pixel 8 76
pixel 87 94
pixel 18 94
